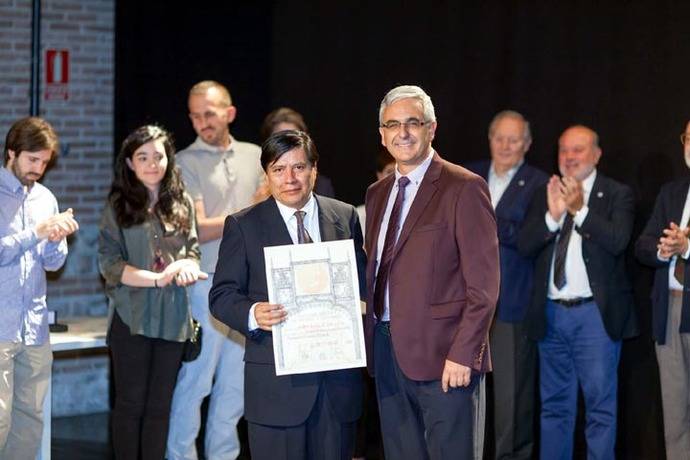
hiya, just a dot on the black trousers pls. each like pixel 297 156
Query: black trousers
pixel 514 358
pixel 320 437
pixel 418 420
pixel 144 373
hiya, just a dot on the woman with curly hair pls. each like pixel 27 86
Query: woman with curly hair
pixel 147 252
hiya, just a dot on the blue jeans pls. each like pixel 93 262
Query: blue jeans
pixel 219 370
pixel 577 350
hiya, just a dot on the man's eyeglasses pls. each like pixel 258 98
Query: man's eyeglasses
pixel 684 138
pixel 411 124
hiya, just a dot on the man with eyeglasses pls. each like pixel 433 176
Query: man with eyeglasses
pixel 432 286
pixel 512 183
pixel 664 245
pixel 577 228
pixel 301 416
pixel 221 174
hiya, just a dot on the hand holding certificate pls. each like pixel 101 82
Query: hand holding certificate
pixel 318 288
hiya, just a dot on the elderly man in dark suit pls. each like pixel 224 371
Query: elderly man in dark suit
pixel 432 283
pixel 512 183
pixel 664 245
pixel 578 227
pixel 310 416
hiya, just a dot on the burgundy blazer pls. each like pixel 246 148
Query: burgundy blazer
pixel 444 277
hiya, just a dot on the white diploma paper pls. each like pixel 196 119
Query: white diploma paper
pixel 317 284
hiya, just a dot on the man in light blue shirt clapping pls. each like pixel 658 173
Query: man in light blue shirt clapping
pixel 32 240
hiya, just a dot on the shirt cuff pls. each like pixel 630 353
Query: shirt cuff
pixel 686 254
pixel 663 259
pixel 252 323
pixel 552 225
pixel 581 215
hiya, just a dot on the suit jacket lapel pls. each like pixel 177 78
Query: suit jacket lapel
pixel 330 225
pixel 426 192
pixel 678 203
pixel 516 183
pixel 599 195
pixel 378 209
pixel 274 229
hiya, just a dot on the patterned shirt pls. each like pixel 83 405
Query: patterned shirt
pixel 24 259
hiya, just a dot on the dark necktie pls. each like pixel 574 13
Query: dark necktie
pixel 679 272
pixel 388 246
pixel 561 252
pixel 302 234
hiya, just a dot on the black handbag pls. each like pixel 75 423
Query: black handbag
pixel 192 346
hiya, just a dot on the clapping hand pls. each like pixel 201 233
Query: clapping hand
pixel 183 272
pixel 57 227
pixel 555 198
pixel 674 241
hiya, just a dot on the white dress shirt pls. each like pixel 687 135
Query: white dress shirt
pixel 415 176
pixel 498 184
pixel 576 279
pixel 311 224
pixel 311 219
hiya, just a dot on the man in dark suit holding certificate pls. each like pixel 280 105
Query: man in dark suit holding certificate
pixel 295 416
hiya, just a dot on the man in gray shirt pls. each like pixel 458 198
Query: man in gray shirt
pixel 222 175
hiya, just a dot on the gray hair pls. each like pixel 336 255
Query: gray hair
pixel 405 92
pixel 527 134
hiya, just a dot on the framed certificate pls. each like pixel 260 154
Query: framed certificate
pixel 317 284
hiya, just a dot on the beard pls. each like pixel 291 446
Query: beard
pixel 26 179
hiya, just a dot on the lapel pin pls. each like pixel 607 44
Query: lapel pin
pixel 600 194
pixel 521 183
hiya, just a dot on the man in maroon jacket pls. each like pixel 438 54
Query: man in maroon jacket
pixel 432 279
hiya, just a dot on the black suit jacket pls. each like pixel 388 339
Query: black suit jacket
pixel 240 281
pixel 668 208
pixel 605 236
pixel 511 210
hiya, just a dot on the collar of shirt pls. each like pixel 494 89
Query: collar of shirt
pixel 311 220
pixel 199 144
pixel 508 175
pixel 10 182
pixel 587 185
pixel 498 184
pixel 417 174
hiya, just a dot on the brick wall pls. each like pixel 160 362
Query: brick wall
pixel 84 122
